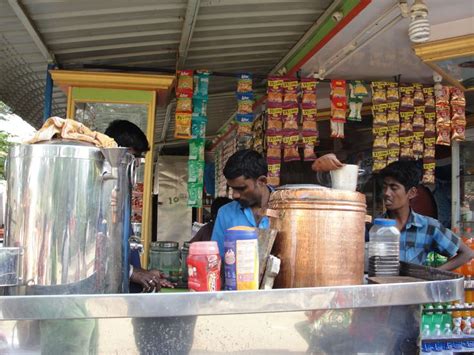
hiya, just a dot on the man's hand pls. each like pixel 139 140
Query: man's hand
pixel 327 162
pixel 150 280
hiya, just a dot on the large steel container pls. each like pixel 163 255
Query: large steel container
pixel 321 235
pixel 65 207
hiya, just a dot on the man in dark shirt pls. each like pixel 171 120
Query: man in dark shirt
pixel 204 234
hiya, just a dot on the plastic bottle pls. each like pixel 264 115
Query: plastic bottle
pixel 438 345
pixel 384 248
pixel 426 347
pixel 457 334
pixel 241 258
pixel 447 334
pixel 467 342
pixel 204 267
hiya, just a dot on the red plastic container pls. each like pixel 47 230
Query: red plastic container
pixel 204 267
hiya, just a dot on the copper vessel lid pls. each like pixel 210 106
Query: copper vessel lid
pixel 307 192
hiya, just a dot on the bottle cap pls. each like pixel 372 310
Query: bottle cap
pixel 385 222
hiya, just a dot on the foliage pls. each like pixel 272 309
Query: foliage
pixel 4 146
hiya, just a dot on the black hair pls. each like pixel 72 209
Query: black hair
pixel 406 172
pixel 218 203
pixel 247 163
pixel 129 135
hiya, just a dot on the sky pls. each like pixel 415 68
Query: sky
pixel 19 129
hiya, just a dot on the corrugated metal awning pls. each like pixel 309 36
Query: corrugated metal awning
pixel 227 36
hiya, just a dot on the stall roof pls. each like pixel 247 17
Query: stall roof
pixel 219 35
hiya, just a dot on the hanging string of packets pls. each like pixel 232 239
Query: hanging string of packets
pixel 191 120
pixel 244 116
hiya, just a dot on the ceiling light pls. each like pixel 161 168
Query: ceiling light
pixel 419 28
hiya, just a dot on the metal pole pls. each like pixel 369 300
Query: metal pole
pixel 48 94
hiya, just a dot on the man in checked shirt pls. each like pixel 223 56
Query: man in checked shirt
pixel 419 235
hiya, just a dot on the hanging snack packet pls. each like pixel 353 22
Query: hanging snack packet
pixel 407 101
pixel 393 141
pixel 379 113
pixel 430 128
pixel 244 128
pixel 418 96
pixel 274 142
pixel 200 105
pixel 458 127
pixel 290 116
pixel 458 112
pixel 198 126
pixel 393 94
pixel 359 89
pixel 406 123
pixel 201 84
pixel 310 140
pixel 290 91
pixel 290 146
pixel 428 92
pixel 338 89
pixel 444 134
pixel 419 119
pixel 379 157
pixel 274 166
pixel 457 97
pixel 196 149
pixel 380 138
pixel 442 114
pixel 406 143
pixel 393 117
pixel 379 92
pixel 442 96
pixel 195 194
pixel 308 89
pixel 182 128
pixel 338 109
pixel 337 129
pixel 184 102
pixel 244 117
pixel 274 99
pixel 274 84
pixel 245 102
pixel 185 82
pixel 418 145
pixel 244 83
pixel 393 155
pixel 309 120
pixel 429 150
pixel 429 167
pixel 195 171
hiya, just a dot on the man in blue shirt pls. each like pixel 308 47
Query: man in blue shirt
pixel 246 173
pixel 419 235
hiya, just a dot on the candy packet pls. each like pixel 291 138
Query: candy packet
pixel 182 128
pixel 185 82
pixel 196 149
pixel 310 140
pixel 244 83
pixel 198 126
pixel 379 92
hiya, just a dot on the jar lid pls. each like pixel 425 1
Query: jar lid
pixel 166 244
pixel 186 244
pixel 204 248
pixel 385 222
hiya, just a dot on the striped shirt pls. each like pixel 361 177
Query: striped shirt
pixel 422 235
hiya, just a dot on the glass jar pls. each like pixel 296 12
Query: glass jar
pixel 164 256
pixel 184 263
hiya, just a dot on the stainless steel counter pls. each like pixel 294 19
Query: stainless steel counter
pixel 331 319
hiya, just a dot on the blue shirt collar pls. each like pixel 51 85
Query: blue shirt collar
pixel 414 219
